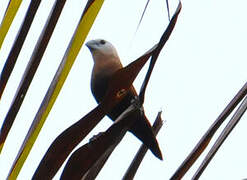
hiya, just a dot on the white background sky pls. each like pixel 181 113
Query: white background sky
pixel 200 69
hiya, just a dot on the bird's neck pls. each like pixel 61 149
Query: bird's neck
pixel 106 65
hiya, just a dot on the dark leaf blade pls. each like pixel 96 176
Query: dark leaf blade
pixel 65 143
pixel 202 144
pixel 30 70
pixel 224 134
pixel 160 45
pixel 16 48
pixel 9 65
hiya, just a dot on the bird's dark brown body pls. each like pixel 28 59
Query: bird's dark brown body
pixel 103 69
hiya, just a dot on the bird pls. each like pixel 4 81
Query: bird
pixel 106 63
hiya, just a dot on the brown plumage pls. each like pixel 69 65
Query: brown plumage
pixel 106 62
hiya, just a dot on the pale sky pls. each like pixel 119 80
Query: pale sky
pixel 198 72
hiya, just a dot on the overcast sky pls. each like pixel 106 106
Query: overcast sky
pixel 198 72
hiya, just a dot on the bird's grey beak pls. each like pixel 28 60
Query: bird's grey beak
pixel 91 45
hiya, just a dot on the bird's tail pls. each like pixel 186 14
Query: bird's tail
pixel 143 131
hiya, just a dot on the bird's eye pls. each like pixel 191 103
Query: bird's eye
pixel 102 41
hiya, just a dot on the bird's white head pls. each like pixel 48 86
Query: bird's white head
pixel 101 48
